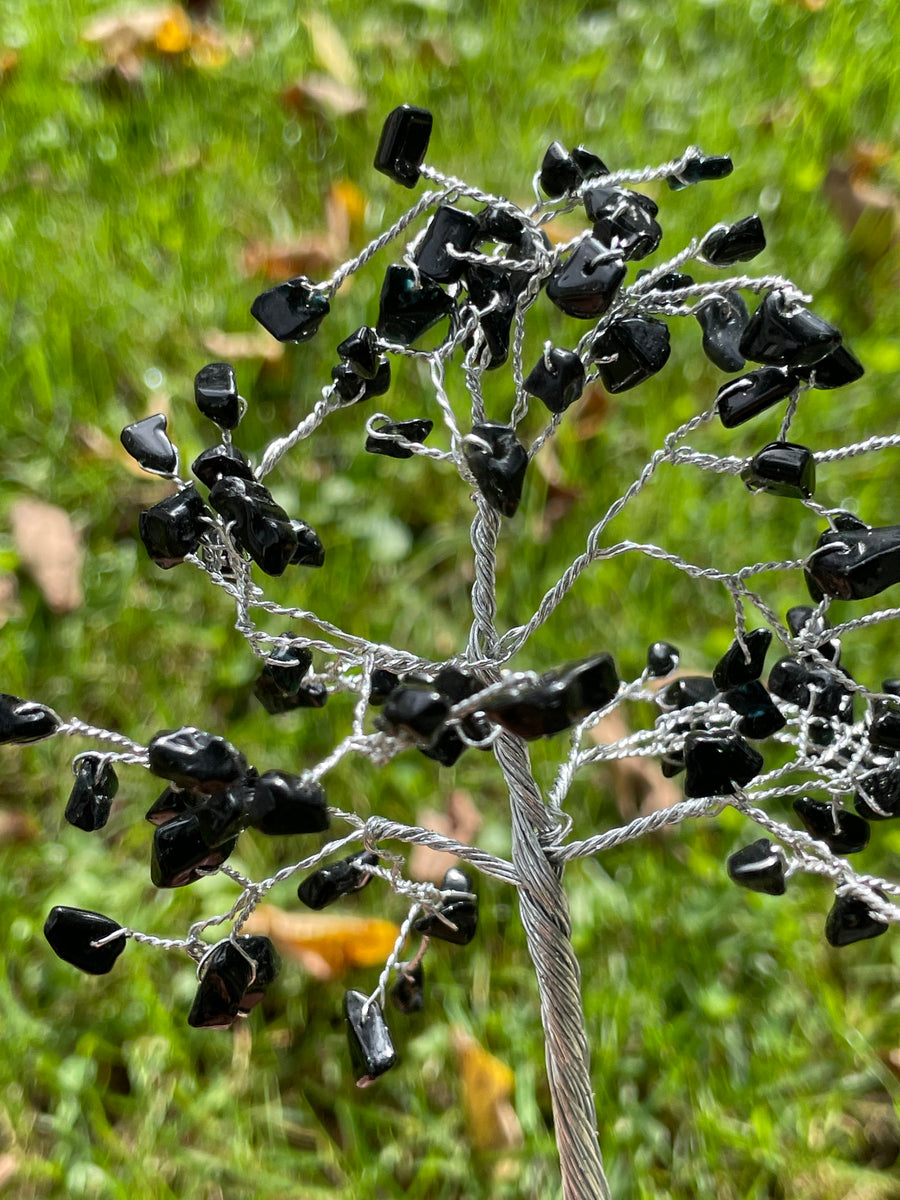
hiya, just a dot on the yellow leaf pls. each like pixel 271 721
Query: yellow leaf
pixel 487 1085
pixel 345 209
pixel 330 49
pixel 174 33
pixel 327 946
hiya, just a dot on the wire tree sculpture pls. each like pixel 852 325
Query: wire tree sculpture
pixel 476 268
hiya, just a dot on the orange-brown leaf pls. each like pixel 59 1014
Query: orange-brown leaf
pixel 242 346
pixel 49 549
pixel 460 821
pixel 319 95
pixel 327 946
pixel 638 783
pixel 9 60
pixel 487 1087
pixel 315 255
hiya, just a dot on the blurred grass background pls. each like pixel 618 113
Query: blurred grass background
pixel 735 1054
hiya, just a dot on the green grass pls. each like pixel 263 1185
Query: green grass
pixel 734 1054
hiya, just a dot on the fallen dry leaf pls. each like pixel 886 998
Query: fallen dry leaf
pixel 9 60
pixel 560 496
pixel 487 1085
pixel 345 209
pixel 330 49
pixel 16 826
pixel 166 30
pixel 869 215
pixel 241 346
pixel 638 783
pixel 326 946
pixel 318 253
pixel 591 411
pixel 9 595
pixel 49 549
pixel 318 95
pixel 461 821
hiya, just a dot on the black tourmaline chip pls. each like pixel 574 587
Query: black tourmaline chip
pixel 260 526
pixel 759 867
pixel 194 759
pixel 588 163
pixel 337 879
pixel 352 388
pixel 180 854
pixel 662 659
pixel 559 172
pixel 782 469
pixel 382 684
pixel 586 685
pixel 404 140
pixel 221 460
pixel 811 688
pixel 360 352
pixel 171 803
pixel 799 617
pixel 172 529
pixel 557 378
pixel 409 307
pixel 782 333
pixel 699 168
pixel 460 911
pixel 717 761
pixel 723 320
pixel 148 444
pixel 850 920
pixel 292 311
pixel 685 692
pixel 842 832
pixel 853 564
pixel 216 394
pixel 309 552
pixel 560 698
pixel 669 281
pixel 877 796
pixel 71 932
pixel 267 963
pixel 884 726
pixel 226 976
pixel 386 439
pixel 728 244
pixel 741 399
pixel 371 1049
pixel 449 227
pixel 836 369
pixel 90 800
pixel 287 804
pixel 497 459
pixel 623 221
pixel 23 721
pixel 408 992
pixel 493 286
pixel 735 666
pixel 281 679
pixel 630 350
pixel 221 816
pixel 418 709
pixel 760 718
pixel 585 284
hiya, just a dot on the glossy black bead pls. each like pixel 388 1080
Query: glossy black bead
pixel 686 692
pixel 498 460
pixel 723 320
pixel 216 394
pixel 351 388
pixel 891 686
pixel 371 1049
pixel 758 867
pixel 172 529
pixel 662 659
pixel 883 730
pixel 194 759
pixel 221 460
pixel 226 976
pixel 180 855
pixel 669 281
pixel 90 800
pixel 408 992
pixel 782 469
pixel 700 168
pixel 267 964
pixel 622 222
pixel 287 804
pixel 586 685
pixel 419 710
pixel 630 350
pixel 309 551
pixel 409 307
pixel 382 683
pixel 589 164
pixel 390 437
pixel 360 352
pixel 717 761
pixel 456 917
pixel 23 721
pixel 738 665
pixel 810 688
pixel 836 369
pixel 800 616
pixel 292 311
pixel 854 564
pixel 530 712
pixel 585 284
pixel 449 228
pixel 71 933
pixel 223 815
pixel 877 796
pixel 842 832
pixel 403 144
pixel 760 718
pixel 559 172
pixel 445 747
pixel 282 677
pixel 494 287
pixel 259 526
pixel 171 803
pixel 741 399
pixel 850 920
pixel 728 244
pixel 557 378
pixel 782 333
pixel 338 879
pixel 148 444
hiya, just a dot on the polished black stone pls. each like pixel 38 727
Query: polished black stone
pixel 490 285
pixel 559 172
pixel 351 388
pixel 337 879
pixel 531 712
pixel 782 469
pixel 741 399
pixel 71 932
pixel 382 684
pixel 700 168
pixel 221 460
pixel 456 685
pixel 90 800
pixel 557 378
pixel 171 803
pixel 456 917
pixel 723 320
pixel 292 311
pixel 735 666
pixel 800 615
pixel 419 710
pixel 883 730
pixel 782 333
pixel 760 717
pixel 686 691
pixel 499 225
pixel 728 244
pixel 387 439
pixel 630 350
pixel 371 1049
pixel 267 964
pixel 148 444
pixel 226 975
pixel 259 526
pixel 669 281
pixel 172 529
pixel 194 759
pixel 216 394
pixel 309 551
pixel 836 369
pixel 622 221
pixel 891 686
pixel 445 747
pixel 449 227
pixel 850 920
pixel 717 761
pixel 586 685
pixel 662 659
pixel 498 460
pixel 409 307
pixel 842 832
pixel 287 804
pixel 589 164
pixel 360 352
pixel 403 143
pixel 282 677
pixel 812 689
pixel 758 867
pixel 854 564
pixel 408 992
pixel 23 721
pixel 223 815
pixel 585 284
pixel 877 796
pixel 180 855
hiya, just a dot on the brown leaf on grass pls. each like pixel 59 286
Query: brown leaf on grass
pixel 318 253
pixel 49 549
pixel 560 496
pixel 164 30
pixel 9 61
pixel 239 347
pixel 16 826
pixel 329 48
pixel 487 1087
pixel 317 95
pixel 461 821
pixel 869 215
pixel 326 946
pixel 639 785
pixel 591 411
